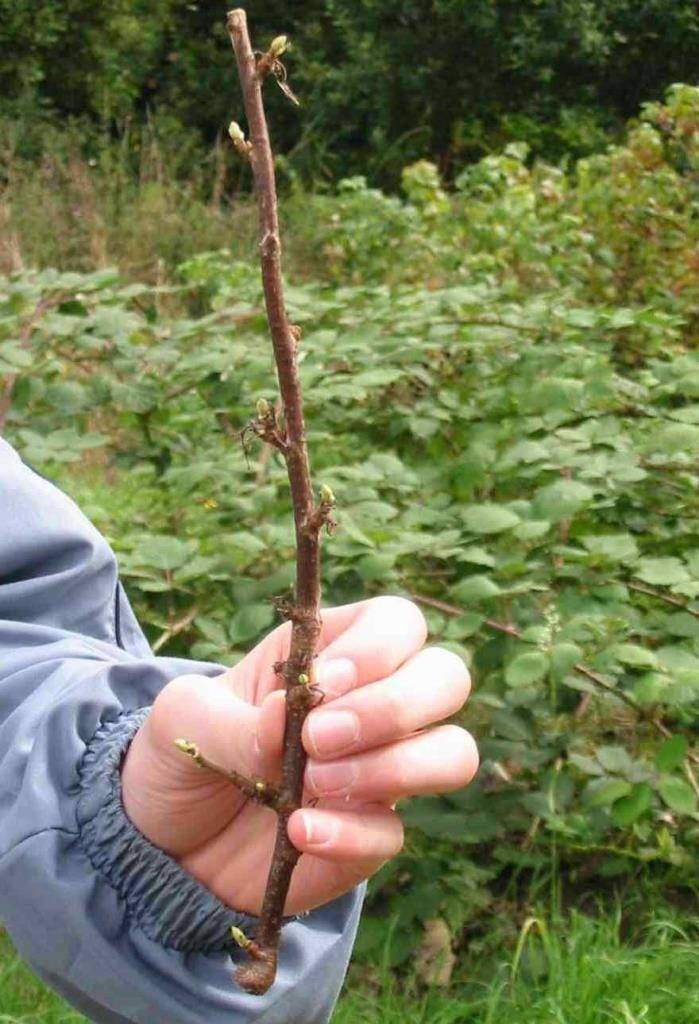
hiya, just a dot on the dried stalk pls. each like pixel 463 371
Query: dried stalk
pixel 286 433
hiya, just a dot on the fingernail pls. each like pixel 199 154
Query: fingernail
pixel 336 676
pixel 319 829
pixel 331 732
pixel 336 778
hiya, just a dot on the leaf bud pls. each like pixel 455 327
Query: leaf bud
pixel 240 937
pixel 326 495
pixel 278 46
pixel 236 132
pixel 263 408
pixel 303 679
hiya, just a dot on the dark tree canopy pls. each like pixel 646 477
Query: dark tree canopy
pixel 383 81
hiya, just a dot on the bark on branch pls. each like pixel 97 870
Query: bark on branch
pixel 289 438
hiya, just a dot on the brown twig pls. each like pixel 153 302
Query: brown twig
pixel 659 596
pixel 254 789
pixel 258 974
pixel 175 629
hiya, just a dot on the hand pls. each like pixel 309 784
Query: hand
pixel 367 748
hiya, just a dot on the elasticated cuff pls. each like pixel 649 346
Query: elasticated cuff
pixel 169 906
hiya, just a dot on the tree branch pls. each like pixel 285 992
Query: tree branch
pixel 254 789
pixel 175 628
pixel 298 670
pixel 675 602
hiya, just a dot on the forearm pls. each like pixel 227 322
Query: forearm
pixel 111 922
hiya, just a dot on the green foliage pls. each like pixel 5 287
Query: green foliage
pixel 383 82
pixel 505 404
pixel 576 969
pixel 636 968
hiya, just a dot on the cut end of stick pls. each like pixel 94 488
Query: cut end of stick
pixel 235 19
pixel 258 975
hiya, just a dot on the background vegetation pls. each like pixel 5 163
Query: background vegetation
pixel 500 358
pixel 383 82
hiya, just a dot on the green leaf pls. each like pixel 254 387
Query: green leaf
pixel 526 669
pixel 661 571
pixel 474 589
pixel 634 655
pixel 614 759
pixel 350 528
pixel 650 687
pixel 432 816
pixel 671 753
pixel 249 622
pixel 462 626
pixel 587 765
pixel 677 794
pixel 166 553
pixel 630 808
pixel 379 377
pixel 476 556
pixel 608 792
pixel 562 499
pixel 511 725
pixel 14 357
pixel 564 657
pixel 683 624
pixel 615 547
pixel 532 529
pixel 212 630
pixel 489 519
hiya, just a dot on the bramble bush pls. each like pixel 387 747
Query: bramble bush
pixel 505 400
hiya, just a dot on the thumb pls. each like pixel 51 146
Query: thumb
pixel 174 802
pixel 208 713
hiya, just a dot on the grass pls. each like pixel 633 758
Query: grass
pixel 133 207
pixel 23 999
pixel 582 971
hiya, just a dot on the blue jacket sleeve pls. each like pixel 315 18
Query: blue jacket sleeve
pixel 108 920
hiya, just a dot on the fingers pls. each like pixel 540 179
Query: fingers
pixel 368 836
pixel 433 685
pixel 384 632
pixel 437 761
pixel 367 641
pixel 358 644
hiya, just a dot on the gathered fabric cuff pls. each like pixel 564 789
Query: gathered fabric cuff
pixel 167 903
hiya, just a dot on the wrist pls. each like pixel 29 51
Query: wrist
pixel 168 905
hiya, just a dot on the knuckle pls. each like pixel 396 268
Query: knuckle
pixel 396 714
pixel 175 698
pixel 402 609
pixel 178 690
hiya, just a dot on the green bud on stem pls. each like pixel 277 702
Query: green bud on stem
pixel 236 132
pixel 278 46
pixel 240 937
